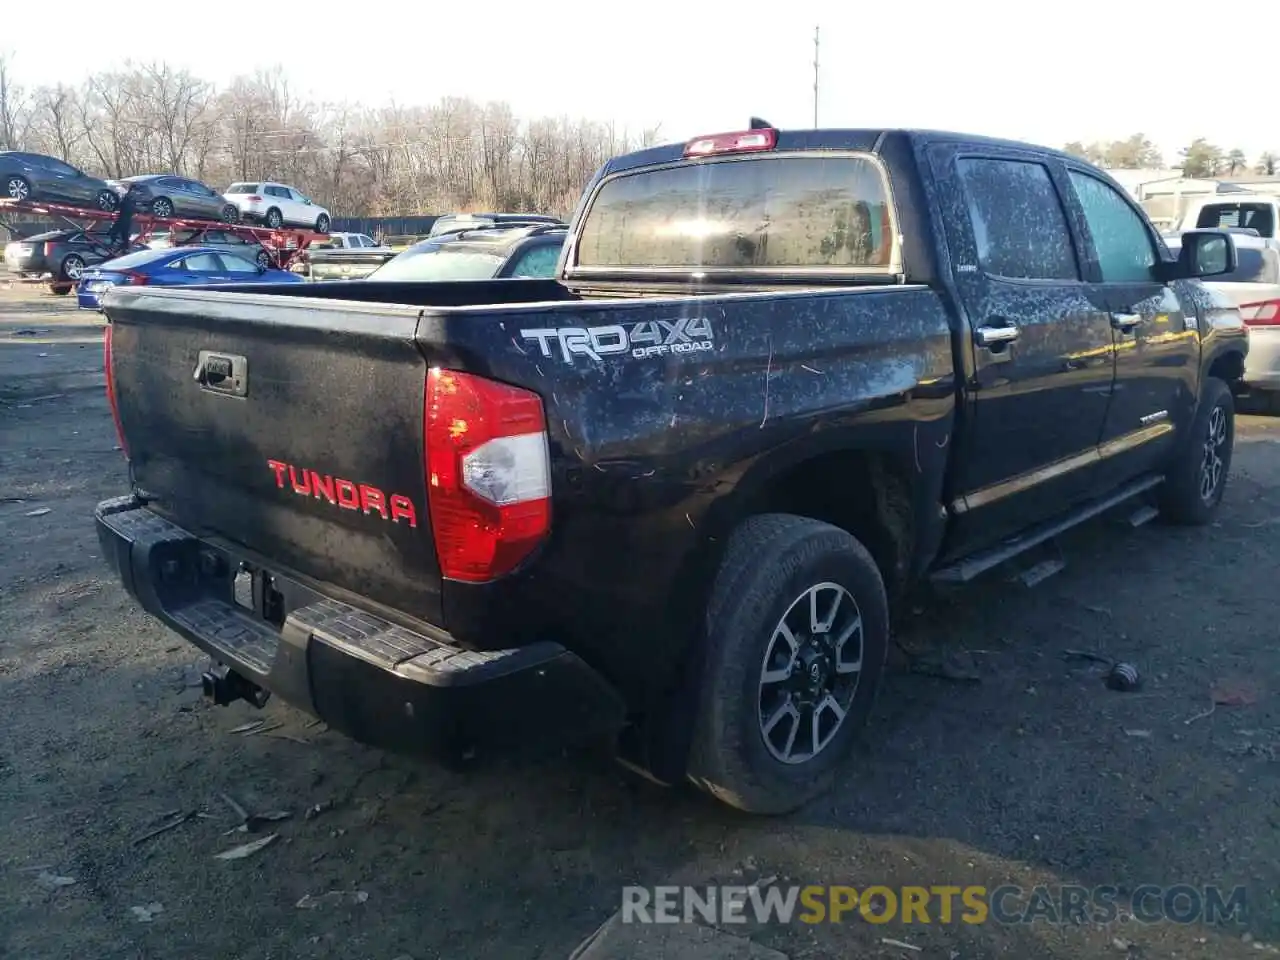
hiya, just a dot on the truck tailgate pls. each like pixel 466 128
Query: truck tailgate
pixel 292 429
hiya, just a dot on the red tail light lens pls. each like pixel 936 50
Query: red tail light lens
pixel 744 142
pixel 136 279
pixel 48 250
pixel 488 474
pixel 1264 313
pixel 109 369
pixel 255 199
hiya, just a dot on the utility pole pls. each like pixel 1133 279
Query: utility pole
pixel 815 77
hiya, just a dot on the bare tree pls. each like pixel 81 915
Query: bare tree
pixel 453 155
pixel 56 129
pixel 15 118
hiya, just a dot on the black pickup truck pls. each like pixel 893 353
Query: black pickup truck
pixel 674 493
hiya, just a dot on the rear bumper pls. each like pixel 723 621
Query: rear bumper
pixel 25 265
pixel 373 680
pixel 1262 365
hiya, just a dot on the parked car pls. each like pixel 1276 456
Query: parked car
pixel 277 205
pixel 349 241
pixel 35 177
pixel 178 267
pixel 1254 286
pixel 1258 212
pixel 482 254
pixel 166 195
pixel 674 492
pixel 64 254
pixel 457 222
pixel 223 240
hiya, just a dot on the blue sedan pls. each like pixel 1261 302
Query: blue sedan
pixel 174 267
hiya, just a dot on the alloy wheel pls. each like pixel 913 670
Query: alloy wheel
pixel 810 673
pixel 1212 465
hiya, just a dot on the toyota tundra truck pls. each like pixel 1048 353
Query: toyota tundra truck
pixel 674 493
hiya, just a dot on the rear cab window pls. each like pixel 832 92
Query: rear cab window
pixel 1240 214
pixel 810 212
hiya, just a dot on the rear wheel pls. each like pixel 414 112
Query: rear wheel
pixel 17 188
pixel 230 214
pixel 72 268
pixel 797 631
pixel 274 219
pixel 322 223
pixel 108 200
pixel 1198 477
pixel 263 259
pixel 162 207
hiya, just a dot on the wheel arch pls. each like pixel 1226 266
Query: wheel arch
pixel 1227 364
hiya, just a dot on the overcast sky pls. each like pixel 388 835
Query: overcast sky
pixel 1047 73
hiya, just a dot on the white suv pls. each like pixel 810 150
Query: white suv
pixel 277 205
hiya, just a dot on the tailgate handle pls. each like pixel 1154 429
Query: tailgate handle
pixel 222 373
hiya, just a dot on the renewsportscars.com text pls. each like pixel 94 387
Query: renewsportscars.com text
pixel 1147 903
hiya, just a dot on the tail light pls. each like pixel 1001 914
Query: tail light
pixel 254 199
pixel 48 249
pixel 1263 313
pixel 745 142
pixel 109 369
pixel 488 474
pixel 134 279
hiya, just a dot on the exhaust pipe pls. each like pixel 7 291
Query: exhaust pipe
pixel 224 686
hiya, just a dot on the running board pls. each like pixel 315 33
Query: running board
pixel 962 571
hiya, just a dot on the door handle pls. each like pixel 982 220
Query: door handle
pixel 1125 321
pixel 995 336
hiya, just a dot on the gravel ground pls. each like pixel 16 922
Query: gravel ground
pixel 1032 773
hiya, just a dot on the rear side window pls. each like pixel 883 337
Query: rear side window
pixel 243 188
pixel 762 212
pixel 200 263
pixel 1221 216
pixel 1018 222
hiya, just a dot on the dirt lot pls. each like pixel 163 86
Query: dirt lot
pixel 1036 773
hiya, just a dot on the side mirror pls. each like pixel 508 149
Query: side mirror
pixel 1204 253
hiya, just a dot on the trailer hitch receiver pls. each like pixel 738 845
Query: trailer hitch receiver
pixel 224 686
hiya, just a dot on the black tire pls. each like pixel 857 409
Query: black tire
pixel 771 563
pixel 72 268
pixel 17 188
pixel 1191 492
pixel 263 260
pixel 108 200
pixel 274 219
pixel 322 223
pixel 162 207
pixel 230 213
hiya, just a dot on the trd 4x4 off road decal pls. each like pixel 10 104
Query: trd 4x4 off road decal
pixel 648 338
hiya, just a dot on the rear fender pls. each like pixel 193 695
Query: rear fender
pixel 918 453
